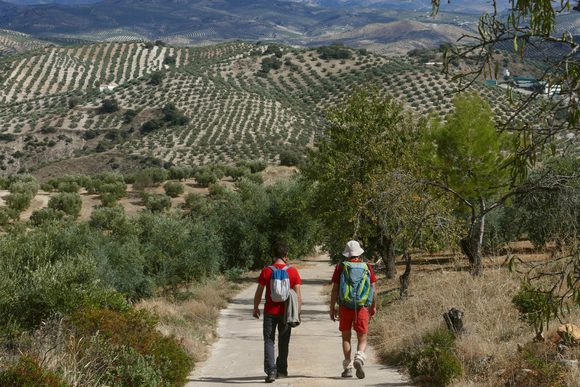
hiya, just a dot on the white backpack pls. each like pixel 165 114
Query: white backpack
pixel 279 284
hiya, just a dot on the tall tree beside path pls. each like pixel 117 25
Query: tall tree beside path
pixel 468 159
pixel 368 139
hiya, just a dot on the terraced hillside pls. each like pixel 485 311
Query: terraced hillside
pixel 12 42
pixel 236 100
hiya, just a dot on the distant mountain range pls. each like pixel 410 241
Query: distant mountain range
pixel 381 25
pixel 457 5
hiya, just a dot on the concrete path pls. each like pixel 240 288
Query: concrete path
pixel 315 346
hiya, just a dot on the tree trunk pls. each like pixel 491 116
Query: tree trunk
pixel 388 255
pixel 471 245
pixel 404 279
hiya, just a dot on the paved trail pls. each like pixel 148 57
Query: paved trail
pixel 315 346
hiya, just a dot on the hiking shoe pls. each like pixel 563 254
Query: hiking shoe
pixel 347 373
pixel 358 363
pixel 271 377
pixel 360 372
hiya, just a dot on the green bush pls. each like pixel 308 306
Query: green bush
pixel 48 288
pixel 136 330
pixel 237 173
pixel 69 203
pixel 536 307
pixel 435 359
pixel 46 215
pixel 205 177
pixel 28 372
pixel 292 157
pixel 107 218
pixel 129 368
pixel 18 201
pixel 68 186
pixel 150 177
pixel 109 105
pixel 156 202
pixel 174 189
pixel 255 166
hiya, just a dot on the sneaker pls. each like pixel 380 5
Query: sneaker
pixel 271 377
pixel 347 373
pixel 359 362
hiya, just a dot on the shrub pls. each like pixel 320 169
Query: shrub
pixel 174 116
pixel 69 203
pixel 107 218
pixel 335 51
pixel 68 186
pixel 151 126
pixel 205 177
pixel 174 189
pixel 136 330
pixel 46 215
pixel 18 201
pixel 292 157
pixel 435 359
pixel 255 166
pixel 156 78
pixel 109 105
pixel 180 173
pixel 49 288
pixel 156 202
pixel 4 217
pixel 129 115
pixel 28 372
pixel 536 308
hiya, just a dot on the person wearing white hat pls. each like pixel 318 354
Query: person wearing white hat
pixel 354 289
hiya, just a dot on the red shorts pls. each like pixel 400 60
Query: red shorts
pixel 349 319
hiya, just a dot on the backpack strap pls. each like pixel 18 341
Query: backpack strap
pixel 274 268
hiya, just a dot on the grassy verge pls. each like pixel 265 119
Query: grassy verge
pixel 496 348
pixel 192 316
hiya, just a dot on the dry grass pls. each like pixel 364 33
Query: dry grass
pixel 193 320
pixel 493 328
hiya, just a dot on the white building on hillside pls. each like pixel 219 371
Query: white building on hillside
pixel 108 87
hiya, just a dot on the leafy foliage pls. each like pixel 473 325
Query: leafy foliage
pixel 28 372
pixel 69 203
pixel 434 358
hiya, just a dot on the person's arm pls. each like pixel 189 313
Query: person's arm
pixel 373 308
pixel 333 300
pixel 257 300
pixel 298 291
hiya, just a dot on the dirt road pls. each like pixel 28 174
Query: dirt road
pixel 315 346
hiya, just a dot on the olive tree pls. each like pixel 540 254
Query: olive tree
pixel 368 139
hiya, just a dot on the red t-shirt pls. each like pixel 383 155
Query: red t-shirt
pixel 271 307
pixel 338 271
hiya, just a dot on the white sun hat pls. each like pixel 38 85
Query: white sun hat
pixel 352 249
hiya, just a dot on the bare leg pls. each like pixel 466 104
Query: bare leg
pixel 362 342
pixel 346 347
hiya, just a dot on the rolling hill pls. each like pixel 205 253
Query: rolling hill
pixel 240 100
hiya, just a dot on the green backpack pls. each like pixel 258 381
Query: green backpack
pixel 356 290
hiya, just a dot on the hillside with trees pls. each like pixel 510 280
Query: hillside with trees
pixel 139 191
pixel 229 102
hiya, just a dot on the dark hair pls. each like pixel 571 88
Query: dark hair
pixel 280 249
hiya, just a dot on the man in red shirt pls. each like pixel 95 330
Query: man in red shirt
pixel 274 315
pixel 352 318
